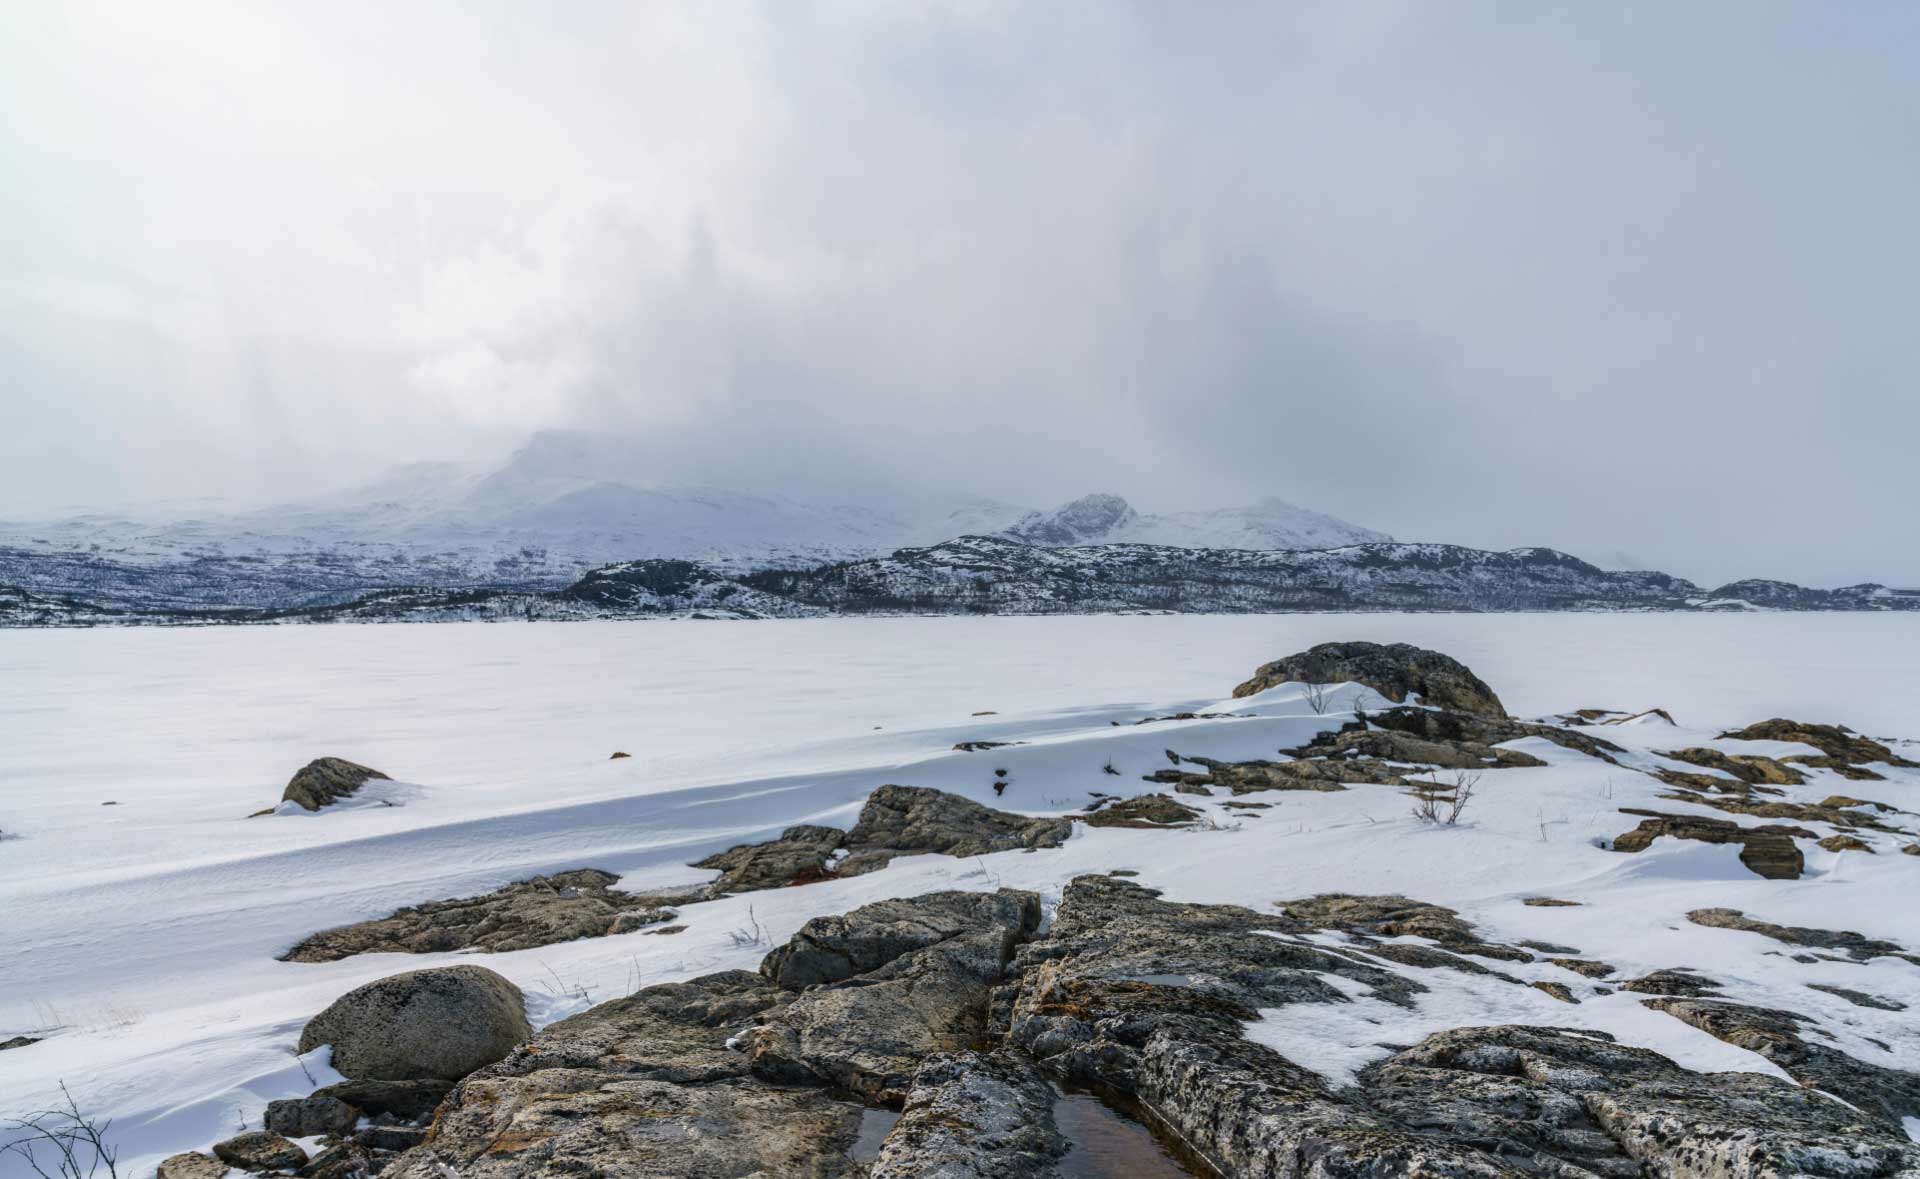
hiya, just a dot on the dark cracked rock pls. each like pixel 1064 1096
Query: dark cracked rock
pixel 886 986
pixel 520 916
pixel 799 856
pixel 1248 777
pixel 1386 745
pixel 971 1115
pixel 1395 670
pixel 326 780
pixel 1440 725
pixel 1839 745
pixel 1857 946
pixel 896 821
pixel 1560 1102
pixel 1397 916
pixel 1859 998
pixel 1767 851
pixel 911 820
pixel 1885 1094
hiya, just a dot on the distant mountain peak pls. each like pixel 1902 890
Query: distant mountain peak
pixel 1268 523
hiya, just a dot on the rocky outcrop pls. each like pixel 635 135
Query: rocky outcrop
pixel 326 780
pixel 1767 851
pixel 1679 983
pixel 1376 917
pixel 729 1074
pixel 1146 810
pixel 896 821
pixel 520 916
pixel 1395 670
pixel 913 820
pixel 1386 745
pixel 304 1117
pixel 1856 946
pixel 971 1115
pixel 441 1023
pixel 1749 768
pixel 1248 777
pixel 1453 727
pixel 799 856
pixel 919 972
pixel 1839 745
pixel 1845 817
pixel 191 1165
pixel 1884 1094
pixel 260 1151
pixel 1149 997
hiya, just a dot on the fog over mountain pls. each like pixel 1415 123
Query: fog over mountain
pixel 1625 278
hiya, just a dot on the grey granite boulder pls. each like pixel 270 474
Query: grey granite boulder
pixel 443 1023
pixel 1395 670
pixel 970 1115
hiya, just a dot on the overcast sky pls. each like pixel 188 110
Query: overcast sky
pixel 1615 278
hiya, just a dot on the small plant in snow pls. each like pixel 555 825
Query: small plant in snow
pixel 750 934
pixel 1443 802
pixel 62 1143
pixel 1317 698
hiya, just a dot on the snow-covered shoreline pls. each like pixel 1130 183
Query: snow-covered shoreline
pixel 143 935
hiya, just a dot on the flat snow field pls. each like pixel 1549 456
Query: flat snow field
pixel 140 938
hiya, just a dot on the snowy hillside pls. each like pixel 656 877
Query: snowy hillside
pixel 1604 1004
pixel 1268 524
pixel 561 505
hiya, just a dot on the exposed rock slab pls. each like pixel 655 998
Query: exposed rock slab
pixel 1767 851
pixel 1749 768
pixel 1857 946
pixel 442 1023
pixel 1146 810
pixel 1387 745
pixel 528 913
pixel 1885 1094
pixel 326 780
pixel 1455 727
pixel 260 1150
pixel 1397 916
pixel 1395 670
pixel 1836 742
pixel 799 856
pixel 890 984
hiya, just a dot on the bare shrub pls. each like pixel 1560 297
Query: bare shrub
pixel 1317 698
pixel 1444 802
pixel 62 1143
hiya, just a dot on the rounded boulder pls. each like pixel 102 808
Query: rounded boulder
pixel 441 1023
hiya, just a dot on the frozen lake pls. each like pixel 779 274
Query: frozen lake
pixel 144 933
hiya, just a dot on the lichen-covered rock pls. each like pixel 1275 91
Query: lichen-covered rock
pixel 1457 727
pixel 1767 851
pixel 191 1165
pixel 1836 742
pixel 974 1116
pixel 1885 1094
pixel 1146 810
pixel 442 1023
pixel 259 1150
pixel 326 780
pixel 520 916
pixel 1396 916
pixel 1387 745
pixel 1748 768
pixel 1395 670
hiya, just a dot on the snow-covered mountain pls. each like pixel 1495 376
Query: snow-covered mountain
pixel 1267 524
pixel 563 504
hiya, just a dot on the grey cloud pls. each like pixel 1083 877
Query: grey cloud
pixel 1626 279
